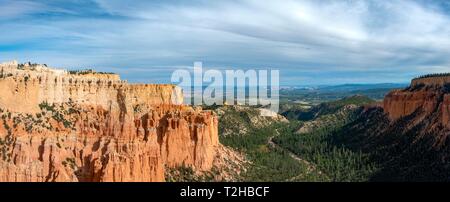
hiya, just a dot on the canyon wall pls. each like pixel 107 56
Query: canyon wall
pixel 62 126
pixel 431 81
pixel 24 89
pixel 424 98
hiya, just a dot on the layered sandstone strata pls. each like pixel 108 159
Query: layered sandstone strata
pixel 426 97
pixel 60 126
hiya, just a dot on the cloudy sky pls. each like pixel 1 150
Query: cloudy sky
pixel 310 41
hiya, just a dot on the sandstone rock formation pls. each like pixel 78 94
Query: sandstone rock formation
pixel 86 126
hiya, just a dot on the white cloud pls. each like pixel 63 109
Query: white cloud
pixel 12 9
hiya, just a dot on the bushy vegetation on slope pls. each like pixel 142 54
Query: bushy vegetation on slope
pixel 433 75
pixel 338 162
pixel 268 163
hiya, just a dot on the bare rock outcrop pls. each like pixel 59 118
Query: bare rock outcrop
pixel 409 135
pixel 86 126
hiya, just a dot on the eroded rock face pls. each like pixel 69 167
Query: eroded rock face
pixel 410 133
pixel 424 98
pixel 431 81
pixel 87 128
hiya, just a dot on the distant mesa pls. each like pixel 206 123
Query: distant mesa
pixel 439 79
pixel 433 75
pixel 427 97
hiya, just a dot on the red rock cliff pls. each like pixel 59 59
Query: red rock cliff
pixel 60 127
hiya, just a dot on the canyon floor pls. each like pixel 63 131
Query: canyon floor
pixel 354 137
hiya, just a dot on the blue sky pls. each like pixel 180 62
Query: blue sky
pixel 311 42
